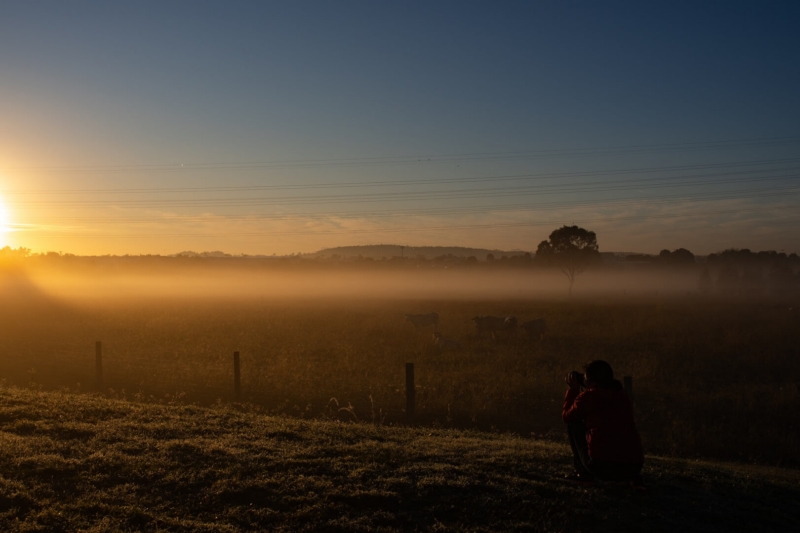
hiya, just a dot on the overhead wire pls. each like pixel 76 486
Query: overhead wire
pixel 630 202
pixel 752 193
pixel 458 210
pixel 407 182
pixel 317 231
pixel 464 156
pixel 751 172
pixel 580 187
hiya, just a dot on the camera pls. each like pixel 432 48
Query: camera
pixel 579 376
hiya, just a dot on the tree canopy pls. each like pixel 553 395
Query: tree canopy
pixel 681 256
pixel 570 248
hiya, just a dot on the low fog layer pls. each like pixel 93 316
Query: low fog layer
pixel 348 284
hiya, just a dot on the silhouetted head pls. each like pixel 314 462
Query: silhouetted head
pixel 598 374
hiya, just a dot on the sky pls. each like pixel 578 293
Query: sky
pixel 288 127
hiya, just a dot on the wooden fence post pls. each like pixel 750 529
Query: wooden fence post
pixel 628 384
pixel 237 375
pixel 410 392
pixel 98 365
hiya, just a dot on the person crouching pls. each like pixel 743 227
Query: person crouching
pixel 602 433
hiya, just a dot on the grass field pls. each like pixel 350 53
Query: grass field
pixel 712 378
pixel 73 462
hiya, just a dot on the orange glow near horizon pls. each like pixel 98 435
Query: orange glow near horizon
pixel 5 223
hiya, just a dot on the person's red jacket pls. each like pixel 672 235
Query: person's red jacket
pixel 608 416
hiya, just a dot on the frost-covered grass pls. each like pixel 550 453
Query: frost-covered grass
pixel 76 462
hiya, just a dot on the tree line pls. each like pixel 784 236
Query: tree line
pixel 570 249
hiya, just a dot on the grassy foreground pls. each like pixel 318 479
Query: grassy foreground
pixel 72 462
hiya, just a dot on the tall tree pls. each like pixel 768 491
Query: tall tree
pixel 571 249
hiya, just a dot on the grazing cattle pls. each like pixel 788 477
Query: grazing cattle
pixel 422 321
pixel 494 324
pixel 535 328
pixel 445 343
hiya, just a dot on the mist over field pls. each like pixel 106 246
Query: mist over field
pixel 330 340
pixel 109 283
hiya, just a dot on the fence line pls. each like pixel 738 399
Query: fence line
pixel 411 395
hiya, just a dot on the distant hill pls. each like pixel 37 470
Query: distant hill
pixel 378 251
pixel 202 254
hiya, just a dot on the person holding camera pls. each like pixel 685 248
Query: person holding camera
pixel 602 434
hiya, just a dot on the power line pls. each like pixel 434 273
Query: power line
pixel 409 229
pixel 493 192
pixel 780 174
pixel 750 194
pixel 454 157
pixel 407 182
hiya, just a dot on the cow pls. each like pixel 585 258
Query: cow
pixel 422 321
pixel 535 328
pixel 494 324
pixel 444 343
